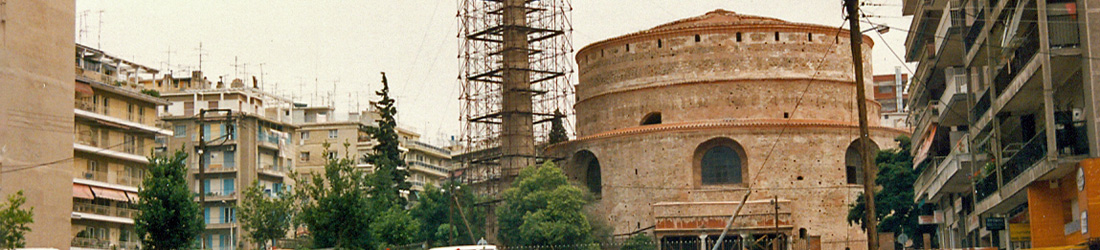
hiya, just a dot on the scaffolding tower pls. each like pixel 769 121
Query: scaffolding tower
pixel 515 72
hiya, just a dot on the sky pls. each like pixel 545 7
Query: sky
pixel 334 50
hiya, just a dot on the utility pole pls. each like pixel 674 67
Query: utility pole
pixel 868 161
pixel 776 240
pixel 202 156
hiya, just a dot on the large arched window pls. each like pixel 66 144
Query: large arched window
pixel 853 162
pixel 651 118
pixel 591 165
pixel 720 161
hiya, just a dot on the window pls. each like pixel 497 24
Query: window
pixel 141 115
pixel 658 43
pixel 304 156
pixel 181 131
pixel 853 162
pixel 810 37
pixel 130 112
pixel 213 105
pixel 885 89
pixel 106 106
pixel 777 36
pixel 720 161
pixel 332 134
pixel 628 47
pixel 651 118
pixel 592 174
pixel 698 39
pixel 738 36
pixel 331 155
pixel 305 135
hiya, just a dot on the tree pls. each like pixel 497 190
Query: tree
pixel 894 207
pixel 336 208
pixel 169 218
pixel 639 242
pixel 440 224
pixel 557 129
pixel 542 208
pixel 266 218
pixel 14 221
pixel 388 179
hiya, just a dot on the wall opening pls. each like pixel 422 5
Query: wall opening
pixel 810 37
pixel 698 38
pixel 658 43
pixel 853 162
pixel 786 115
pixel 720 161
pixel 628 47
pixel 777 36
pixel 592 180
pixel 739 36
pixel 651 118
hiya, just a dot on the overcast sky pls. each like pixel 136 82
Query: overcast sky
pixel 345 44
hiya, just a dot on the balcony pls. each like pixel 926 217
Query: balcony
pixel 104 210
pixel 94 175
pixel 93 243
pixel 1020 57
pixel 273 170
pixel 430 168
pixel 945 176
pixel 218 195
pixel 982 105
pixel 1030 153
pixel 975 29
pixel 926 116
pixel 954 99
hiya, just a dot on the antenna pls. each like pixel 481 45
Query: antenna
pixel 262 77
pixel 235 66
pixel 169 62
pixel 200 55
pixel 83 25
pixel 99 30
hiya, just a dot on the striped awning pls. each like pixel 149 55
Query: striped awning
pixel 82 191
pixel 110 194
pixel 82 87
pixel 133 197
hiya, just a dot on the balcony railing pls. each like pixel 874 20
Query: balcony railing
pixel 1063 31
pixel 981 106
pixel 84 207
pixel 985 186
pixel 430 166
pixel 975 29
pixel 95 176
pixel 90 243
pixel 1033 151
pixel 127 180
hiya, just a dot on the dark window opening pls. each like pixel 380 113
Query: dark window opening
pixel 786 115
pixel 777 36
pixel 810 37
pixel 853 162
pixel 593 181
pixel 800 178
pixel 698 39
pixel 628 47
pixel 738 36
pixel 721 165
pixel 658 43
pixel 652 118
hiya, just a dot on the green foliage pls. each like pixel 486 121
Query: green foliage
pixel 336 208
pixel 14 221
pixel 169 218
pixel 894 207
pixel 440 224
pixel 542 208
pixel 348 208
pixel 151 92
pixel 388 179
pixel 264 218
pixel 557 129
pixel 639 242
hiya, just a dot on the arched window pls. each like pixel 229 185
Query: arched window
pixel 720 161
pixel 853 162
pixel 592 173
pixel 651 118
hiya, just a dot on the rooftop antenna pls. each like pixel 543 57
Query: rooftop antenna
pixel 169 63
pixel 235 66
pixel 262 76
pixel 83 25
pixel 311 99
pixel 200 56
pixel 99 31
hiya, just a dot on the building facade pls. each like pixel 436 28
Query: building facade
pixel 36 121
pixel 676 123
pixel 115 129
pixel 1004 109
pixel 253 144
pixel 889 92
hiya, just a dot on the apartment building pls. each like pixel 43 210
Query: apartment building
pixel 889 93
pixel 1004 110
pixel 114 130
pixel 248 136
pixel 427 163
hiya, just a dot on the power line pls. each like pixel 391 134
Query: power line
pixel 884 41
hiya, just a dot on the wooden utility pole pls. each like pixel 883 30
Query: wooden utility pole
pixel 868 161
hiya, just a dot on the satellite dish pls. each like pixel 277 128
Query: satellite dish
pixel 904 239
pixel 482 242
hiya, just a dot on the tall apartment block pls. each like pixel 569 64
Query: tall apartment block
pixel 114 132
pixel 251 143
pixel 1004 111
pixel 36 116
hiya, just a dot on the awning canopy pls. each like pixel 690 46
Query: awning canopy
pixel 133 197
pixel 110 194
pixel 82 191
pixel 84 88
pixel 922 152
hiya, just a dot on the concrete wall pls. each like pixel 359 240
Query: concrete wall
pixel 36 128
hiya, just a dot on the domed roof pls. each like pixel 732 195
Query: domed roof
pixel 717 17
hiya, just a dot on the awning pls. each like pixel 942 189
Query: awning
pixel 133 197
pixel 82 191
pixel 110 194
pixel 84 88
pixel 922 152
